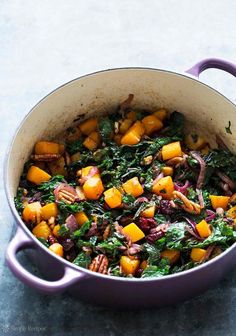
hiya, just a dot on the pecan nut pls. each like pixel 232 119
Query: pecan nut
pixel 66 196
pixel 106 232
pixel 45 157
pixel 188 206
pixel 99 264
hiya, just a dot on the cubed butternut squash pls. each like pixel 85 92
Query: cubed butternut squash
pixel 42 230
pixel 203 229
pixel 113 197
pixel 171 255
pixel 37 175
pixel 197 254
pixel 93 188
pixel 161 114
pixel 134 232
pixel 125 125
pixel 88 126
pixel 129 265
pixel 46 147
pixel 32 212
pixel 81 218
pixel 86 171
pixel 132 115
pixel 195 142
pixel 130 138
pixel 138 128
pixel 151 124
pixel 149 212
pixel 55 230
pixel 164 187
pixel 133 187
pixel 92 141
pixel 167 171
pixel 171 150
pixel 232 212
pixel 57 249
pixel 57 167
pixel 49 210
pixel 219 201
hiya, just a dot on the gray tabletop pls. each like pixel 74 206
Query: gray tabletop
pixel 47 43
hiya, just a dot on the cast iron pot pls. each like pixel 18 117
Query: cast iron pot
pixel 204 108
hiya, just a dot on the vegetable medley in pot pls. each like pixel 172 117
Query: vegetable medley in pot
pixel 130 195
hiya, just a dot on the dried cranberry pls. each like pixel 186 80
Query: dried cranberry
pixel 146 224
pixel 166 208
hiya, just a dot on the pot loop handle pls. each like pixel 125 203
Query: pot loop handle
pixel 21 242
pixel 215 63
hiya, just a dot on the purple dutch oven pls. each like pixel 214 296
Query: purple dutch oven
pixel 205 109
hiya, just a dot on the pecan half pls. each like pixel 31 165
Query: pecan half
pixel 45 157
pixel 188 206
pixel 106 232
pixel 99 264
pixel 174 161
pixel 66 196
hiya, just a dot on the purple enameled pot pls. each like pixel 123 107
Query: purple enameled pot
pixel 205 109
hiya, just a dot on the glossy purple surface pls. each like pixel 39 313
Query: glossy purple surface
pixel 63 276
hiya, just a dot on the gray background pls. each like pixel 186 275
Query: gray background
pixel 46 43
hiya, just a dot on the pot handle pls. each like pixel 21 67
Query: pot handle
pixel 20 242
pixel 215 63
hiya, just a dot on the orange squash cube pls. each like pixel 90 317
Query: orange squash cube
pixel 171 150
pixel 113 197
pixel 161 114
pixel 56 230
pixel 57 248
pixel 130 138
pixel 232 212
pixel 167 171
pixel 151 124
pixel 88 126
pixel 37 175
pixel 197 254
pixel 149 212
pixel 138 128
pixel 93 188
pixel 133 187
pixel 125 125
pixel 164 187
pixel 90 144
pixel 195 142
pixel 203 229
pixel 86 171
pixel 219 201
pixel 134 232
pixel 132 115
pixel 49 210
pixel 46 147
pixel 57 167
pixel 129 265
pixel 42 230
pixel 171 255
pixel 32 212
pixel 81 218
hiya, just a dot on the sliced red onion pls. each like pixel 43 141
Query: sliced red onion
pixel 71 223
pixel 141 200
pixel 226 179
pixel 192 229
pixel 66 187
pixel 67 244
pixel 183 188
pixel 210 215
pixel 226 189
pixel 35 198
pixel 202 164
pixel 159 176
pixel 200 198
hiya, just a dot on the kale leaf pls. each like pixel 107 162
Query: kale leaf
pixel 83 260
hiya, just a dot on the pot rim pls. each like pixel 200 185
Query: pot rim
pixel 66 263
